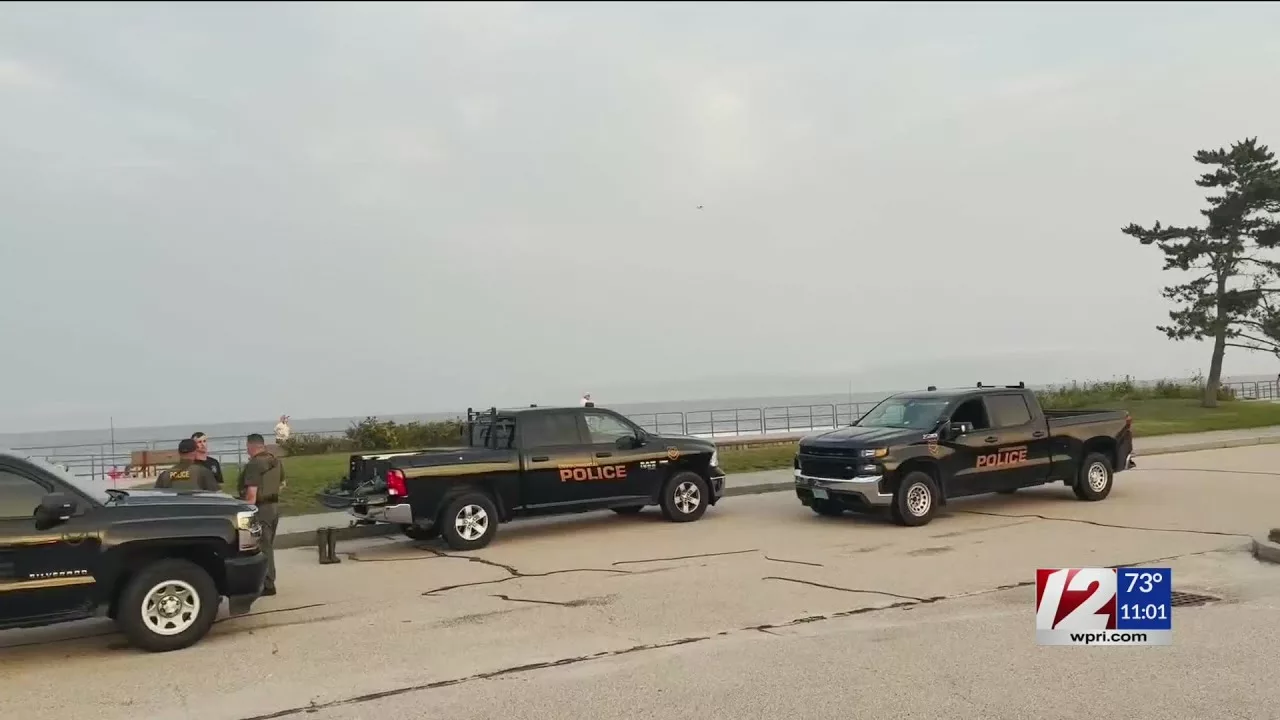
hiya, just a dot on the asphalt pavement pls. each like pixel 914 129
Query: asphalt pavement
pixel 760 609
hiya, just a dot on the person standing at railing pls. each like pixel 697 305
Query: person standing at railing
pixel 282 430
pixel 202 456
pixel 187 474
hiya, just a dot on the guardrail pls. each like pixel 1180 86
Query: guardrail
pixel 100 460
pixel 111 461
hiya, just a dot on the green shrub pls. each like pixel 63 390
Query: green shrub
pixel 374 434
pixel 1079 395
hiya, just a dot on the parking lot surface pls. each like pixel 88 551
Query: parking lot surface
pixel 761 608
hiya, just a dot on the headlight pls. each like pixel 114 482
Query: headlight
pixel 247 520
pixel 715 458
pixel 873 452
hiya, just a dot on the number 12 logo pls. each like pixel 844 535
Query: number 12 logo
pixel 1076 599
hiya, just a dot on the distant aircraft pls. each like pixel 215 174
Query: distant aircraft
pixel 699 207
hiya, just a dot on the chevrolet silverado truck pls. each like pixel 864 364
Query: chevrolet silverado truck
pixel 157 562
pixel 914 451
pixel 539 461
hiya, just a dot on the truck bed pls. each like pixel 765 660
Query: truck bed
pixel 1062 418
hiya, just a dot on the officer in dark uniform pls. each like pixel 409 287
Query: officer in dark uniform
pixel 261 480
pixel 204 458
pixel 187 474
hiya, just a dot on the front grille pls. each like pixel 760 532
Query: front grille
pixel 829 468
pixel 836 452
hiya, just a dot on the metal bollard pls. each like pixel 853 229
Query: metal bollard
pixel 327 545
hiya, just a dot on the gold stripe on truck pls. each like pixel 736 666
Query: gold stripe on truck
pixel 454 470
pixel 44 583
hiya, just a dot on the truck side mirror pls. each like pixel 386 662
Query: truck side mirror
pixel 956 429
pixel 629 442
pixel 54 508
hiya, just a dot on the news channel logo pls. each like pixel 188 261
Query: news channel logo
pixel 1104 606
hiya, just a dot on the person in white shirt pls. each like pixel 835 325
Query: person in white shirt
pixel 282 429
pixel 586 400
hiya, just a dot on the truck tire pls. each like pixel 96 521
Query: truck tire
pixel 168 605
pixel 469 521
pixel 916 500
pixel 826 508
pixel 628 510
pixel 413 532
pixel 1096 475
pixel 684 497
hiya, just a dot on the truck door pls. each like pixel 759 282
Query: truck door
pixel 616 451
pixel 43 573
pixel 1022 455
pixel 558 467
pixel 964 475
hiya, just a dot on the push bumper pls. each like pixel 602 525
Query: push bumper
pixel 245 576
pixel 1131 462
pixel 398 514
pixel 862 491
pixel 715 484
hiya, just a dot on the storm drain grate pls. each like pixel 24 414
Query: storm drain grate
pixel 1186 599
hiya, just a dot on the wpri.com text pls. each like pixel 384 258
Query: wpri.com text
pixel 1104 606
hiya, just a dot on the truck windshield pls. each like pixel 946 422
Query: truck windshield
pixel 906 413
pixel 493 433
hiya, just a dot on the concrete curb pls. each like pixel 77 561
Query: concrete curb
pixel 1267 549
pixel 308 538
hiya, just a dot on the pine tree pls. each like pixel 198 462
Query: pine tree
pixel 1230 297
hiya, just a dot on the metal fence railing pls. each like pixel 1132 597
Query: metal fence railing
pixel 102 461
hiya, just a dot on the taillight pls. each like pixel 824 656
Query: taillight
pixel 1128 421
pixel 395 483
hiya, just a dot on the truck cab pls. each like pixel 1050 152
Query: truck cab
pixel 914 451
pixel 541 461
pixel 158 562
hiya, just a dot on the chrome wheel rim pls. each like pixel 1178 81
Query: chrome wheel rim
pixel 170 608
pixel 1097 477
pixel 471 522
pixel 918 500
pixel 687 497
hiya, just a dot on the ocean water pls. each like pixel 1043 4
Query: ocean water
pixel 93 452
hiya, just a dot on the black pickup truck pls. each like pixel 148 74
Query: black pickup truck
pixel 158 562
pixel 535 461
pixel 914 451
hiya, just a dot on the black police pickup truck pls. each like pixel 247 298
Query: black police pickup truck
pixel 158 562
pixel 914 451
pixel 535 461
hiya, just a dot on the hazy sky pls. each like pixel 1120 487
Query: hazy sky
pixel 228 211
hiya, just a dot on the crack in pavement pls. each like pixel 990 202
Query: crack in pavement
pixel 1208 470
pixel 315 707
pixel 794 562
pixel 905 604
pixel 519 575
pixel 1102 524
pixel 580 602
pixel 109 633
pixel 685 557
pixel 854 590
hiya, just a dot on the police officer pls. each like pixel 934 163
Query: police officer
pixel 187 474
pixel 261 480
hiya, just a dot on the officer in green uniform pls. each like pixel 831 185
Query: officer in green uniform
pixel 261 480
pixel 187 474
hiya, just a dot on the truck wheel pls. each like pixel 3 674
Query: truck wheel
pixel 469 522
pixel 916 500
pixel 168 605
pixel 826 507
pixel 413 532
pixel 1094 483
pixel 628 510
pixel 684 497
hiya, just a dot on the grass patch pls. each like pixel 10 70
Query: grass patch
pixel 308 474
